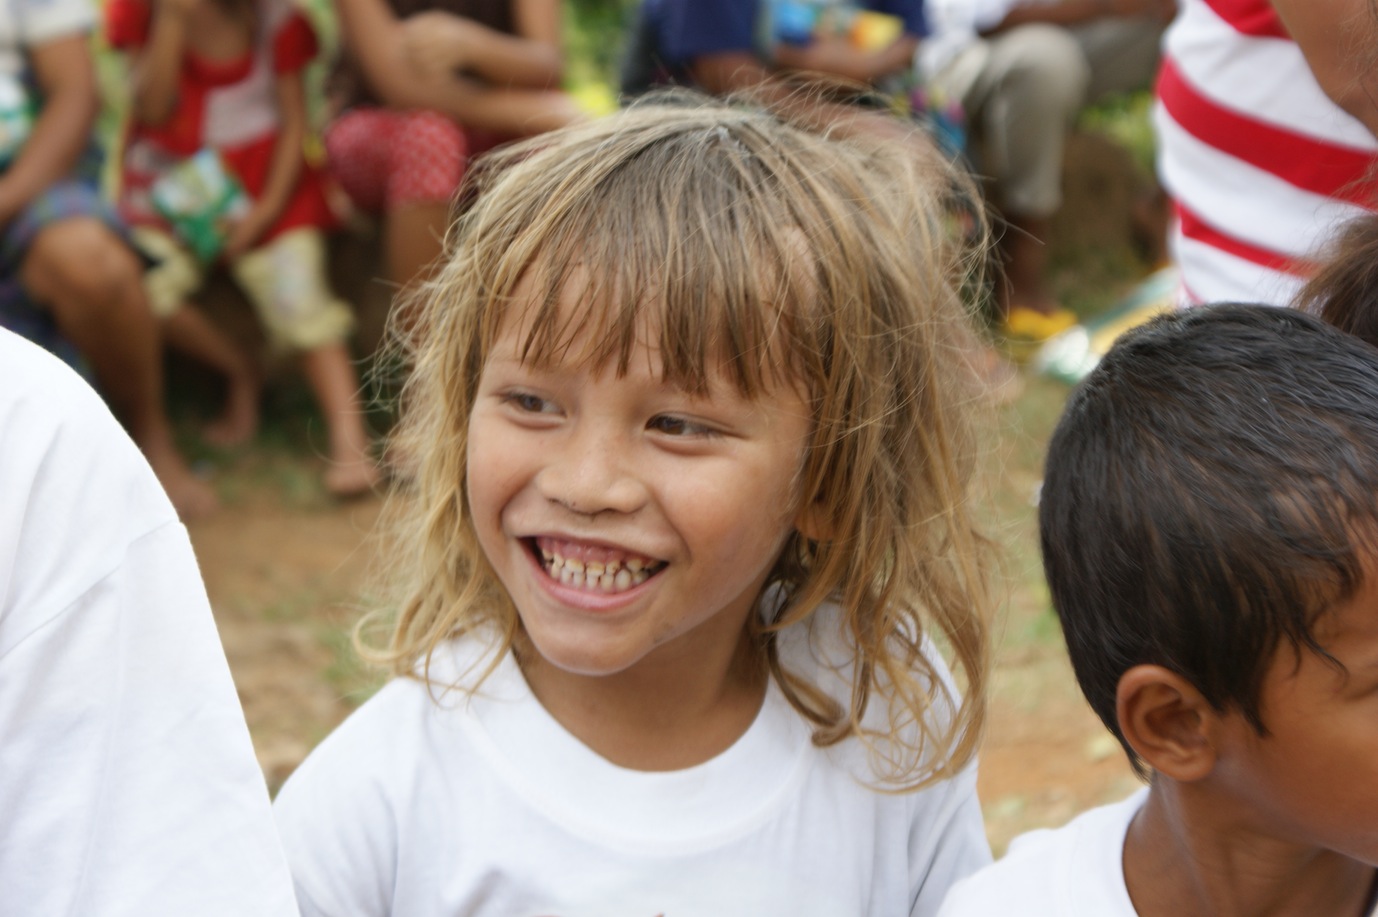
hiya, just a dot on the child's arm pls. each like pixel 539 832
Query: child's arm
pixel 158 65
pixel 441 42
pixel 837 56
pixel 66 81
pixel 835 53
pixel 1337 39
pixel 284 171
pixel 374 36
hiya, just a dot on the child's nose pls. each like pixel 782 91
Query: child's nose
pixel 592 472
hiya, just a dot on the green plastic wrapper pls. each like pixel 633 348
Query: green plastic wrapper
pixel 199 196
pixel 17 113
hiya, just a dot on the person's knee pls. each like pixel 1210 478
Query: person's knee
pixel 428 160
pixel 431 133
pixel 1044 69
pixel 80 259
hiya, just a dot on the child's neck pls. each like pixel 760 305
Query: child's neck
pixel 218 34
pixel 1185 854
pixel 664 713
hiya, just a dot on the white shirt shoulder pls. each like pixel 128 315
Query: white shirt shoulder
pixel 1072 871
pixel 127 779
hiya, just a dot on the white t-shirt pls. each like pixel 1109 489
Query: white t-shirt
pixel 128 784
pixel 421 807
pixel 1072 871
pixel 31 22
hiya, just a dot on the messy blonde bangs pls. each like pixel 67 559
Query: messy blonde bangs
pixel 737 243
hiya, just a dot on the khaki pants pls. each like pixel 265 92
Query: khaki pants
pixel 1023 88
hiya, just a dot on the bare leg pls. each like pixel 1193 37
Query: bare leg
pixel 330 373
pixel 413 238
pixel 189 331
pixel 91 282
pixel 1025 246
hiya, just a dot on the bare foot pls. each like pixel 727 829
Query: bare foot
pixel 238 422
pixel 356 478
pixel 192 497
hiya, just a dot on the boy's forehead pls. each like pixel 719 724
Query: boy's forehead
pixel 1353 619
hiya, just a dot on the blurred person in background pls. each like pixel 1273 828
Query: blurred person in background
pixel 1022 70
pixel 68 276
pixel 424 86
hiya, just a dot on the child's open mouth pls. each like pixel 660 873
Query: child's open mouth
pixel 613 572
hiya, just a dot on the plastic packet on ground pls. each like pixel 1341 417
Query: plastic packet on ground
pixel 1071 355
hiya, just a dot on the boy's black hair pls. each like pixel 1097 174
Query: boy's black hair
pixel 1211 488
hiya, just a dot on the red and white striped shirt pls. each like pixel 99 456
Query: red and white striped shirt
pixel 1262 165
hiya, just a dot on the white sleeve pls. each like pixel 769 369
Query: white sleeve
pixel 969 15
pixel 336 818
pixel 128 784
pixel 45 20
pixel 948 843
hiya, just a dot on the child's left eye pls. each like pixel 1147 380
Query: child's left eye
pixel 678 426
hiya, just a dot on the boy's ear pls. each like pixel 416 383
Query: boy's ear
pixel 1167 722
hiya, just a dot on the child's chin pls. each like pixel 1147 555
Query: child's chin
pixel 581 660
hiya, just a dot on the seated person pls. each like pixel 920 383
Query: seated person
pixel 127 779
pixel 219 115
pixel 1022 70
pixel 726 45
pixel 68 276
pixel 1210 533
pixel 424 86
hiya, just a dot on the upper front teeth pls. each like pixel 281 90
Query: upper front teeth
pixel 612 576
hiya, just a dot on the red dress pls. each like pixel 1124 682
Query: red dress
pixel 230 107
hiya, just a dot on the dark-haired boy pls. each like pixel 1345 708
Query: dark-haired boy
pixel 1210 535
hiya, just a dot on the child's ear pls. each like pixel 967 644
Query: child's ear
pixel 1167 722
pixel 813 523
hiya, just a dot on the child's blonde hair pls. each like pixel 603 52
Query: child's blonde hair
pixel 778 254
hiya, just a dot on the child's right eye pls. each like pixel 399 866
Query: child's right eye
pixel 528 403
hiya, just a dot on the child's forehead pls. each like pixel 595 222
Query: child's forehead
pixel 575 320
pixel 645 365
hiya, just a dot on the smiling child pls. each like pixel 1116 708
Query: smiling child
pixel 687 401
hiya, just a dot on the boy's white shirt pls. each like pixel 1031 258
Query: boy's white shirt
pixel 1073 871
pixel 128 784
pixel 486 806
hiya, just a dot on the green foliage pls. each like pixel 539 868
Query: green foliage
pixel 1127 119
pixel 594 37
